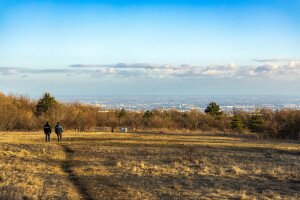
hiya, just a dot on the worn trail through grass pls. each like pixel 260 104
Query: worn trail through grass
pixel 67 168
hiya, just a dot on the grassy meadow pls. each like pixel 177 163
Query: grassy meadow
pixel 147 166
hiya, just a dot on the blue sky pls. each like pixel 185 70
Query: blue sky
pixel 150 47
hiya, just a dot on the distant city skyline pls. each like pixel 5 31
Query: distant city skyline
pixel 184 103
pixel 171 47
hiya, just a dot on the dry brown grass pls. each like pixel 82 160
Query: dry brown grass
pixel 147 166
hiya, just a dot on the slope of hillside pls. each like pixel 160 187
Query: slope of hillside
pixel 147 166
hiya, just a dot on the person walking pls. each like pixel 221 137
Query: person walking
pixel 59 130
pixel 47 131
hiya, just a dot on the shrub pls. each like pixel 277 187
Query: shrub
pixel 288 124
pixel 255 123
pixel 236 123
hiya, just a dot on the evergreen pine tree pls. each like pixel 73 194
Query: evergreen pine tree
pixel 44 104
pixel 213 109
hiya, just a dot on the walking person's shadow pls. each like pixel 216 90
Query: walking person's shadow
pixel 67 168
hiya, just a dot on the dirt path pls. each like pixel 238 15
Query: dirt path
pixel 73 178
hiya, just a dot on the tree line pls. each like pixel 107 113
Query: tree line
pixel 19 113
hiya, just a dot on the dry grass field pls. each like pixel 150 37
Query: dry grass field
pixel 147 166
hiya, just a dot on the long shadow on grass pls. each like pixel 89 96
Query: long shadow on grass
pixel 67 167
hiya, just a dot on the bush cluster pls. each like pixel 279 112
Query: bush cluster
pixel 19 113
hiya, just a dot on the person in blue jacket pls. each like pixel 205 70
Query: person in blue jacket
pixel 59 130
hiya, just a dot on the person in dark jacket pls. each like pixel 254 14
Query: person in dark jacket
pixel 47 131
pixel 59 130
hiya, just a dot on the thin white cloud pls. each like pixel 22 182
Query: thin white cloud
pixel 8 71
pixel 268 68
pixel 130 66
pixel 288 71
pixel 18 70
pixel 275 60
pixel 293 65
